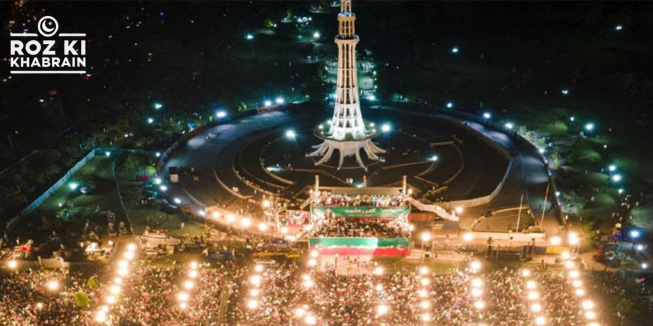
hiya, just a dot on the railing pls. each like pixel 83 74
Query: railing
pixel 46 194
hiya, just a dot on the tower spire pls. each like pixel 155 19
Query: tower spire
pixel 345 6
pixel 346 130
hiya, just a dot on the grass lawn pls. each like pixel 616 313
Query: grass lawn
pixel 72 206
pixel 132 164
pixel 104 196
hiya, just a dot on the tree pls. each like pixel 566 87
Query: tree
pixel 625 306
pixel 589 229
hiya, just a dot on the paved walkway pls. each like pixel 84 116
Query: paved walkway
pixel 528 174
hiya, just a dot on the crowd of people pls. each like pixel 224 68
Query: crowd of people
pixel 358 227
pixel 563 307
pixel 151 297
pixel 285 296
pixel 148 297
pixel 289 295
pixel 38 297
pixel 343 300
pixel 325 198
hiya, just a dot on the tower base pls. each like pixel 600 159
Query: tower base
pixel 346 148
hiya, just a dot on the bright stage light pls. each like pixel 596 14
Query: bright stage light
pixel 531 285
pixel 246 222
pixel 122 271
pixel 383 309
pixel 111 299
pixel 308 283
pixel 590 315
pixel 574 274
pixel 189 285
pixel 252 304
pixel 53 285
pixel 114 289
pixel 183 296
pixel 587 304
pixel 536 307
pixel 300 312
pixel 100 316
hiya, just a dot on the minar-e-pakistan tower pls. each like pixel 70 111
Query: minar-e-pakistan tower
pixel 346 132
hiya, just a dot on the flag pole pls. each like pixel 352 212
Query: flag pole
pixel 521 200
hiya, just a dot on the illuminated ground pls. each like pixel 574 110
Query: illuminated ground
pixel 276 164
pixel 232 168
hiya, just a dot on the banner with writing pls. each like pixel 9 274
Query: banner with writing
pixel 360 211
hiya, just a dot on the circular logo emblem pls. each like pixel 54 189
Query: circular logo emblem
pixel 48 26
